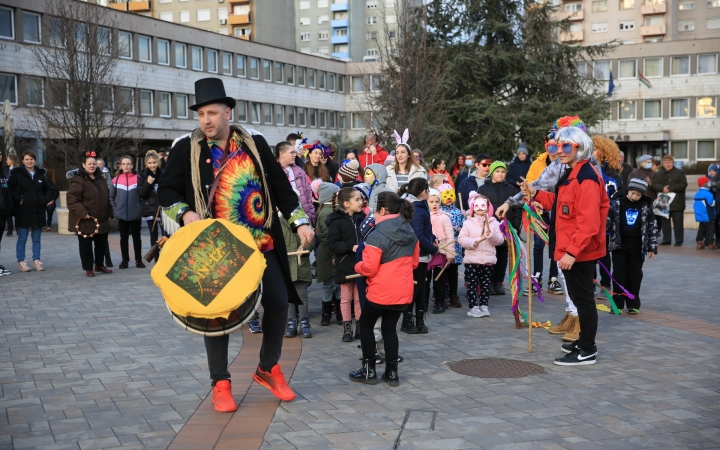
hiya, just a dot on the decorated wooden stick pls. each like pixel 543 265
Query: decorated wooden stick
pixel 447 245
pixel 530 281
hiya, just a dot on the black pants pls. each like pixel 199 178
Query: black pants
pixel 419 301
pixel 49 211
pixel 677 224
pixel 499 269
pixel 451 274
pixel 388 328
pixel 607 260
pixel 87 258
pixel 478 275
pixel 10 224
pixel 706 232
pixel 717 230
pixel 438 286
pixel 126 228
pixel 627 271
pixel 581 289
pixel 275 303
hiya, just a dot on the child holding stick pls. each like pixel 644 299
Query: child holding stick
pixel 479 236
pixel 457 218
pixel 443 230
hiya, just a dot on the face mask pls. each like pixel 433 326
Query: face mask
pixel 480 205
pixel 648 165
pixel 468 163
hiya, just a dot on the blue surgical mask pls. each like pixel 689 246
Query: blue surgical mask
pixel 647 165
pixel 468 163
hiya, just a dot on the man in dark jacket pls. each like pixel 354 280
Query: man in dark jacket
pixel 473 181
pixel 190 190
pixel 671 179
pixel 519 167
pixel 626 169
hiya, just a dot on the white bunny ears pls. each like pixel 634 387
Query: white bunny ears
pixel 404 140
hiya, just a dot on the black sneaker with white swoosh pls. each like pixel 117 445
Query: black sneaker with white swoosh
pixel 577 357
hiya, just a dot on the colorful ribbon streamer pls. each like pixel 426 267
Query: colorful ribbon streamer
pixel 607 294
pixel 533 216
pixel 629 295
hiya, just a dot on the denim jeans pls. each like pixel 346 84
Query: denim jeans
pixel 22 240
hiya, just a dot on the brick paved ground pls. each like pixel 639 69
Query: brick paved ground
pixel 96 363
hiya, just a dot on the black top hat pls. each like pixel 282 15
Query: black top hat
pixel 211 90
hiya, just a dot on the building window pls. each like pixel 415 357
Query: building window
pixel 713 4
pixel 240 65
pixel 203 15
pixel 572 7
pixel 626 25
pixel 254 68
pixel 278 72
pixel 323 19
pixel 599 27
pixel 599 6
pixel 242 32
pixel 341 121
pixel 181 106
pixel 311 79
pixel 267 113
pixel 58 93
pixel 679 108
pixel 7 24
pixel 652 109
pixel 301 76
pixel 291 116
pixel 358 84
pixel 371 4
pixel 581 68
pixel 323 35
pixel 321 80
pixel 332 119
pixel 391 19
pixel 713 23
pixel 357 122
pixel 679 149
pixel 184 16
pixel 627 68
pixel 146 103
pixel 654 21
pixel 267 70
pixel 167 16
pixel 304 5
pixel 686 6
pixel 31 27
pixel 312 116
pixel 679 65
pixel 322 119
pixel 197 58
pixel 255 112
pixel 705 150
pixel 341 32
pixel 372 20
pixel 305 37
pixel 125 44
pixel 164 104
pixel 163 52
pixel 375 83
pixel 290 71
pixel 322 4
pixel 241 108
pixel 341 83
pixel 301 117
pixel 227 63
pixel 127 101
pixel 144 49
pixel 707 64
pixel 305 21
pixel 653 67
pixel 627 4
pixel 34 91
pixel 371 35
pixel 331 82
pixel 279 115
pixel 627 110
pixel 212 61
pixel 104 43
pixel 707 107
pixel 180 55
pixel 601 70
pixel 686 25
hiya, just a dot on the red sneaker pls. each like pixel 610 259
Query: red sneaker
pixel 275 381
pixel 223 400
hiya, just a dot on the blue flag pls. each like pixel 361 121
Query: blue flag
pixel 611 85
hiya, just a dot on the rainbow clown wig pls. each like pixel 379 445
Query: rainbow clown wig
pixel 565 122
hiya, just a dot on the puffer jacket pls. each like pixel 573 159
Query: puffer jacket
pixel 342 236
pixel 474 229
pixel 422 226
pixel 537 167
pixel 443 230
pixel 86 196
pixel 379 185
pixel 393 247
pixel 676 181
pixel 704 206
pixel 30 195
pixel 580 210
pixel 302 182
pixel 457 218
pixel 648 225
pixel 415 172
pixel 148 192
pixel 517 169
pixel 124 197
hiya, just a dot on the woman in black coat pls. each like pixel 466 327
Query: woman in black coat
pixel 6 209
pixel 497 191
pixel 31 192
pixel 147 189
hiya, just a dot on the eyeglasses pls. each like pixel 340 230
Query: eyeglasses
pixel 567 147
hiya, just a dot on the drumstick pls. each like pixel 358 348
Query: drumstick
pixel 152 253
pixel 299 252
pixel 460 201
pixel 157 213
pixel 446 245
pixel 357 275
pixel 443 270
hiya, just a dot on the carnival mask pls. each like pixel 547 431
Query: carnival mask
pixel 448 197
pixel 369 176
pixel 480 204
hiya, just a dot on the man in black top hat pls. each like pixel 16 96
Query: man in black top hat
pixel 223 171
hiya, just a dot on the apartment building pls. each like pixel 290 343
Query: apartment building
pixel 260 21
pixel 665 72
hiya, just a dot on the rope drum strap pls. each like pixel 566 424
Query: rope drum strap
pixel 91 234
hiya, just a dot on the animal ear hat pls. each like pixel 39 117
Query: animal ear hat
pixel 471 204
pixel 404 140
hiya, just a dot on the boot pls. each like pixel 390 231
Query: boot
pixel 573 334
pixel 305 327
pixel 499 289
pixel 421 322
pixel 455 301
pixel 408 325
pixel 712 247
pixel 326 313
pixel 338 311
pixel 391 375
pixel 347 332
pixel 438 309
pixel 563 326
pixel 366 374
pixel 291 330
pixel 700 245
pixel 357 329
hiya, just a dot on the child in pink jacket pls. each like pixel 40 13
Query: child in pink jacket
pixel 443 230
pixel 479 236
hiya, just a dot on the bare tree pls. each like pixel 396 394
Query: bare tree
pixel 405 88
pixel 87 105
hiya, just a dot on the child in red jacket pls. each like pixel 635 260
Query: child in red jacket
pixel 579 211
pixel 393 247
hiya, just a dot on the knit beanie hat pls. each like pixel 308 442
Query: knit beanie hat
pixel 496 165
pixel 644 158
pixel 326 191
pixel 522 149
pixel 713 167
pixel 637 184
pixel 349 171
pixel 434 192
pixel 365 190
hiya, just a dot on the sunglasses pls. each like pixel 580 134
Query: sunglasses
pixel 567 147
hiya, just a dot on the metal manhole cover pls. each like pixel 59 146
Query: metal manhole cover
pixel 496 368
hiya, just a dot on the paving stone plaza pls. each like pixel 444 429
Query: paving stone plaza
pixel 93 363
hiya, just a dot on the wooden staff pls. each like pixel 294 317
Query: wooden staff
pixel 530 282
pixel 447 245
pixel 157 213
pixel 437 278
pixel 460 201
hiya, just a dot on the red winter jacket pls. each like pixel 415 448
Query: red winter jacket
pixel 365 158
pixel 580 208
pixel 393 247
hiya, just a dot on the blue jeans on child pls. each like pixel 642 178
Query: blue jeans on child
pixel 22 240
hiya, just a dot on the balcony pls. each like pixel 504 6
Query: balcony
pixel 341 55
pixel 239 19
pixel 341 23
pixel 245 37
pixel 118 6
pixel 238 2
pixel 572 36
pixel 137 6
pixel 339 7
pixel 572 15
pixel 652 30
pixel 653 9
pixel 340 39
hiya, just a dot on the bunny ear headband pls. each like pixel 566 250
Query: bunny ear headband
pixel 403 141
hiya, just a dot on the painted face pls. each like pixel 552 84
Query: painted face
pixel 369 176
pixel 448 197
pixel 480 205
